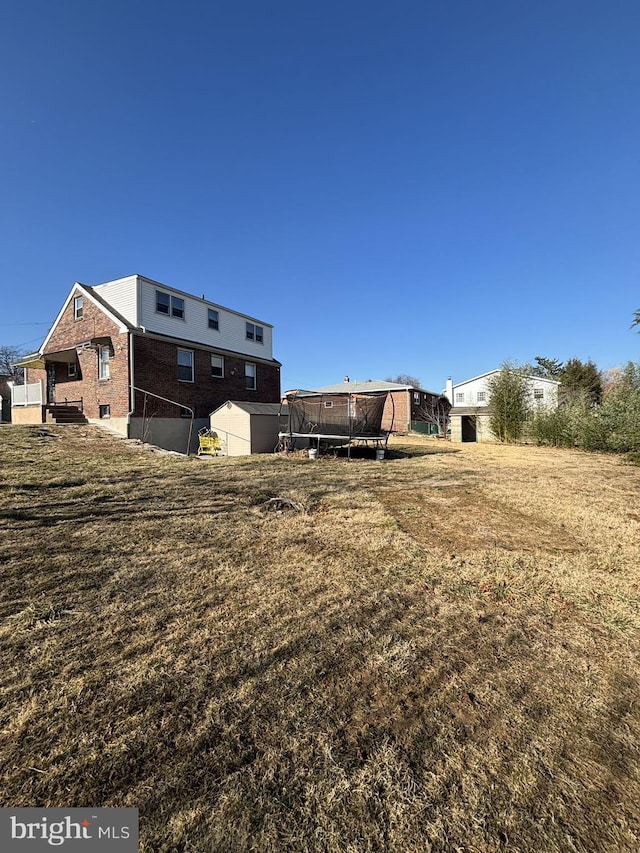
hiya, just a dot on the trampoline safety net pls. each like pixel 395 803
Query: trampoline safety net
pixel 335 414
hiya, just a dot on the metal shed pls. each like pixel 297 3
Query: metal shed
pixel 246 428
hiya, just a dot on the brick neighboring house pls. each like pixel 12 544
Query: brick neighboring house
pixel 405 406
pixel 116 349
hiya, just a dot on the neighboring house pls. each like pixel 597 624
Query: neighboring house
pixel 146 359
pixel 471 412
pixel 244 427
pixel 405 407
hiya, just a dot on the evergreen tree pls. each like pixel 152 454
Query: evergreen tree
pixel 581 377
pixel 509 402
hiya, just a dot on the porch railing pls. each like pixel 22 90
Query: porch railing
pixel 27 395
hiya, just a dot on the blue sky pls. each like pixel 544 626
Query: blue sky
pixel 413 187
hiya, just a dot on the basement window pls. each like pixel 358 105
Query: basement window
pixel 105 411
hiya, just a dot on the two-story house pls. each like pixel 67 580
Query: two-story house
pixel 150 360
pixel 471 401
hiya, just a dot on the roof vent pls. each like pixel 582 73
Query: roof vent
pixel 346 379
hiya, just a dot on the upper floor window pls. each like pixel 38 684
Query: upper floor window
pixel 538 393
pixel 214 319
pixel 416 396
pixel 169 305
pixel 103 363
pixel 250 376
pixel 255 333
pixel 185 365
pixel 459 396
pixel 72 369
pixel 78 305
pixel 217 366
pixel 481 396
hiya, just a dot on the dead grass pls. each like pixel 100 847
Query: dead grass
pixel 434 653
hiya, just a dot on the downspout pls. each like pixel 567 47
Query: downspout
pixel 132 393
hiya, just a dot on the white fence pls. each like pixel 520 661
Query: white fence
pixel 26 395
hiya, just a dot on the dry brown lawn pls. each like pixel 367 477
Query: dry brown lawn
pixel 440 652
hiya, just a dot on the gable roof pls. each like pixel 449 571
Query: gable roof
pixel 369 385
pixel 497 370
pixel 252 408
pixel 85 290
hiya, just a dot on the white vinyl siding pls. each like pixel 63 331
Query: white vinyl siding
pixel 121 295
pixel 231 334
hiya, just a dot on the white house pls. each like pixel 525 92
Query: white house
pixel 471 401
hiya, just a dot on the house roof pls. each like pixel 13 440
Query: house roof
pixel 252 408
pixel 370 385
pixel 497 370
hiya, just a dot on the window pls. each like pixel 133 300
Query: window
pixel 103 363
pixel 416 396
pixel 105 411
pixel 481 396
pixel 78 304
pixel 72 369
pixel 328 404
pixel 163 302
pixel 217 366
pixel 166 304
pixel 538 393
pixel 185 365
pixel 185 413
pixel 214 319
pixel 250 376
pixel 255 333
pixel 459 396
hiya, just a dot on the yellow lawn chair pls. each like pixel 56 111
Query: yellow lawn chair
pixel 209 443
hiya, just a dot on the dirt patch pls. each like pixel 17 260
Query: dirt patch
pixel 466 518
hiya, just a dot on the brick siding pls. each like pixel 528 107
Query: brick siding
pixel 156 371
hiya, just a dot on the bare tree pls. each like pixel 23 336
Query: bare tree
pixel 435 410
pixel 405 379
pixel 9 355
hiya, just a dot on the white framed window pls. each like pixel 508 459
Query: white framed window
pixel 72 370
pixel 185 365
pixel 416 396
pixel 105 411
pixel 78 307
pixel 213 319
pixel 217 366
pixel 328 404
pixel 169 305
pixel 538 393
pixel 104 356
pixel 255 333
pixel 250 376
pixel 481 396
pixel 459 396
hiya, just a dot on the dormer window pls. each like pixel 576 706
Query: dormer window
pixel 170 305
pixel 78 304
pixel 255 333
pixel 214 319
